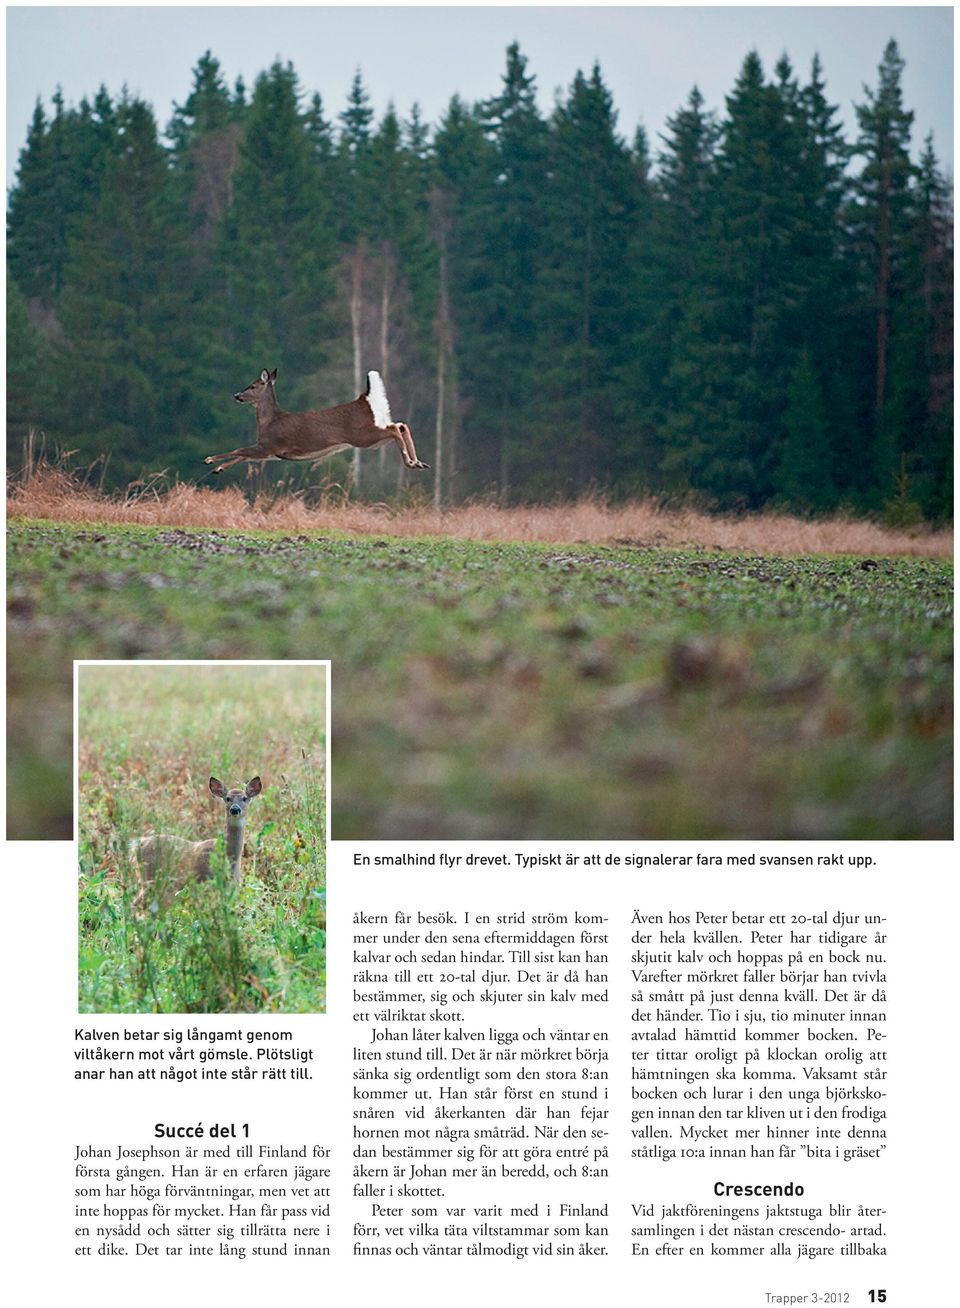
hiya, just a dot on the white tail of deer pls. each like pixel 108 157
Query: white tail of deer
pixel 169 863
pixel 363 424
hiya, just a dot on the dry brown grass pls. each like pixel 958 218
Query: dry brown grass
pixel 55 494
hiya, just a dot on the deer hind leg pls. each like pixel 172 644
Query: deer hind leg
pixel 407 447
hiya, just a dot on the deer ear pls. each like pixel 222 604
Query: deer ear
pixel 254 787
pixel 217 788
pixel 264 376
pixel 273 375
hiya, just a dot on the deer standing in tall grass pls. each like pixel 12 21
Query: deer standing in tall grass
pixel 365 423
pixel 171 862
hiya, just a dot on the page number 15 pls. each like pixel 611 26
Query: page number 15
pixel 877 1296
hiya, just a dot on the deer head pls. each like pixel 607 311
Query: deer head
pixel 236 800
pixel 255 392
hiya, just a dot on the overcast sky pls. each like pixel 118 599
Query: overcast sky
pixel 650 57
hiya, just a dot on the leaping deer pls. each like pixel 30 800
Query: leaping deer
pixel 171 862
pixel 364 424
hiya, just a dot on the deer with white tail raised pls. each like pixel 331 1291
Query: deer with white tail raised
pixel 363 424
pixel 172 862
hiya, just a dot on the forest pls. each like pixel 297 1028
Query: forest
pixel 750 311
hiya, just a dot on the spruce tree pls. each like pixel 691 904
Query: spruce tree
pixel 31 226
pixel 500 365
pixel 238 101
pixel 880 219
pixel 759 170
pixel 416 139
pixel 357 118
pixel 669 254
pixel 276 243
pixel 821 325
pixel 465 172
pixel 687 165
pixel 583 297
pixel 205 149
pixel 728 389
pixel 58 181
pixel 206 109
pixel 355 198
pixel 125 313
pixel 320 131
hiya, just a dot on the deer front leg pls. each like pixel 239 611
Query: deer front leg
pixel 235 456
pixel 407 447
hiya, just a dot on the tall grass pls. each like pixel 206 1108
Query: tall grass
pixel 149 738
pixel 53 492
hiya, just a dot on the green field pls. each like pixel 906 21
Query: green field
pixel 150 738
pixel 526 690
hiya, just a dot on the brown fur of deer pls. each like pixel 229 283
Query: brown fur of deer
pixel 365 423
pixel 169 863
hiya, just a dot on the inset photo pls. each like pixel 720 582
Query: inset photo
pixel 201 825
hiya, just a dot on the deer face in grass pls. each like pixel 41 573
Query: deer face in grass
pixel 255 392
pixel 236 800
